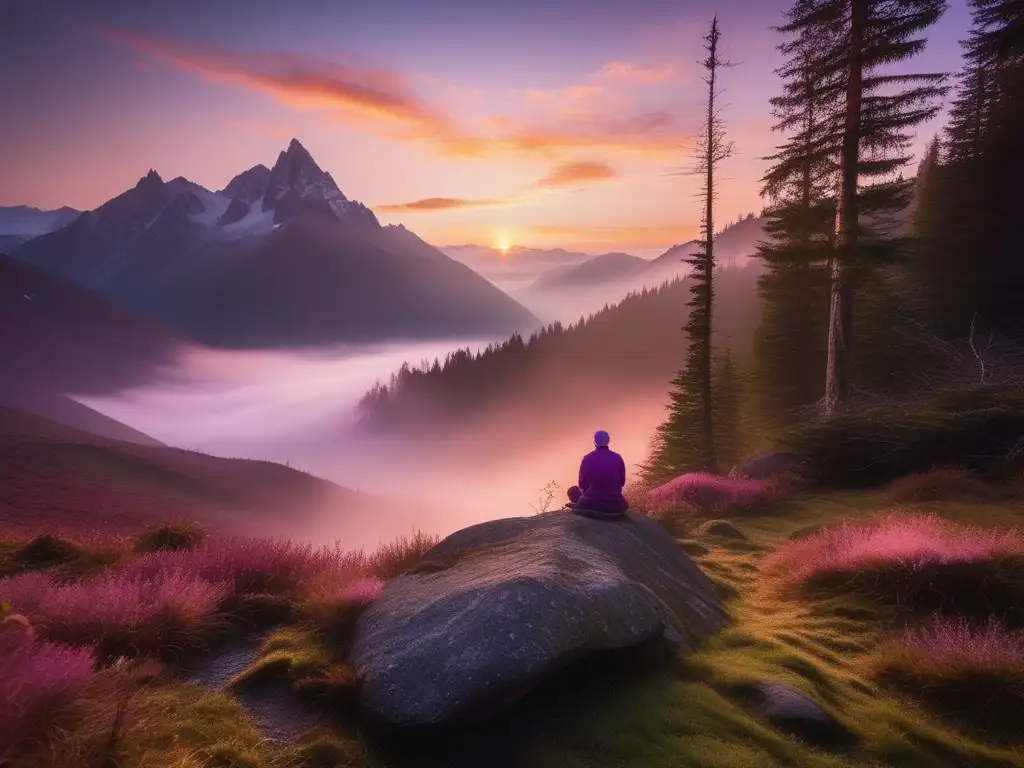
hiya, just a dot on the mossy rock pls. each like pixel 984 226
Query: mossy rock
pixel 721 528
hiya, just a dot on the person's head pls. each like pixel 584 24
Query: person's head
pixel 601 439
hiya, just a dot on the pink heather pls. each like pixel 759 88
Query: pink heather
pixel 251 565
pixel 37 680
pixel 956 643
pixel 910 540
pixel 360 592
pixel 94 609
pixel 707 490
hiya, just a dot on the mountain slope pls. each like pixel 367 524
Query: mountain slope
pixel 21 223
pixel 56 477
pixel 279 257
pixel 564 376
pixel 599 269
pixel 733 246
pixel 56 334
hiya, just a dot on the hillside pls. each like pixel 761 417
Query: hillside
pixel 280 257
pixel 563 373
pixel 600 269
pixel 734 245
pixel 57 477
pixel 56 336
pixel 21 223
pixel 515 267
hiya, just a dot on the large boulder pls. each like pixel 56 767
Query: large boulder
pixel 498 607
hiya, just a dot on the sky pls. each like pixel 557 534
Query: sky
pixel 545 123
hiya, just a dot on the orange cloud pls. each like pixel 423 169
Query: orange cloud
pixel 444 204
pixel 383 101
pixel 569 174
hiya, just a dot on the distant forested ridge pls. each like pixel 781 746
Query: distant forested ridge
pixel 629 348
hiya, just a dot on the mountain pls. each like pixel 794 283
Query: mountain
pixel 53 477
pixel 54 333
pixel 21 223
pixel 733 246
pixel 278 258
pixel 599 269
pixel 57 338
pixel 515 267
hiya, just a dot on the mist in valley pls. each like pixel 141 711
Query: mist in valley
pixel 299 409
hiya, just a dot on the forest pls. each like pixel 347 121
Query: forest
pixel 877 281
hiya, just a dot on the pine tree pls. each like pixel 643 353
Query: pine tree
pixel 731 443
pixel 857 41
pixel 686 441
pixel 972 269
pixel 790 341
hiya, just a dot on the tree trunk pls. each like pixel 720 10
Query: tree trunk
pixel 840 327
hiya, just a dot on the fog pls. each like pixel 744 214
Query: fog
pixel 298 408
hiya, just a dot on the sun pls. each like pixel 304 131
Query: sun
pixel 503 242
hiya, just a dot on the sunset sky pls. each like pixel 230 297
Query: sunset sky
pixel 546 122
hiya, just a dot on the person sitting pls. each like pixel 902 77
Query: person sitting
pixel 602 477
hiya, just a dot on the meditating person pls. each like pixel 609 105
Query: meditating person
pixel 602 477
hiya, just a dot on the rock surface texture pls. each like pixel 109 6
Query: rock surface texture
pixel 496 608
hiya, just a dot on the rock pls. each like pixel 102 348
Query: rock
pixel 500 606
pixel 722 528
pixel 793 711
pixel 770 466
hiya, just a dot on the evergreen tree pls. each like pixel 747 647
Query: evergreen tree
pixel 855 41
pixel 790 341
pixel 972 268
pixel 731 444
pixel 686 440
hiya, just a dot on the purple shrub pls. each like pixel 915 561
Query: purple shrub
pixel 39 684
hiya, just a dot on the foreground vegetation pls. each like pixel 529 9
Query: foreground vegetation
pixel 826 592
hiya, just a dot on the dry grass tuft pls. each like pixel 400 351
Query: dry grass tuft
pixel 972 673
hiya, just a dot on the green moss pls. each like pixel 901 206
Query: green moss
pixel 184 726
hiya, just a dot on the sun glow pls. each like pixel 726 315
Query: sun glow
pixel 503 242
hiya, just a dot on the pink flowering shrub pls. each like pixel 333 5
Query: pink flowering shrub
pixel 39 685
pixel 336 605
pixel 119 612
pixel 250 565
pixel 397 556
pixel 706 492
pixel 913 560
pixel 973 671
